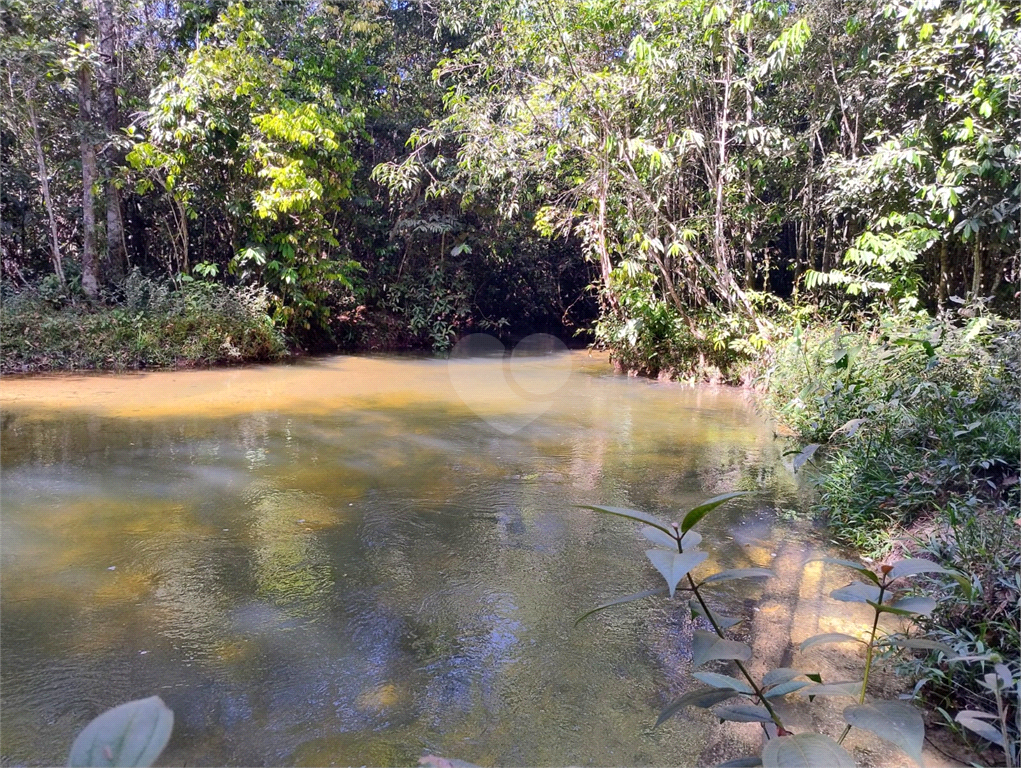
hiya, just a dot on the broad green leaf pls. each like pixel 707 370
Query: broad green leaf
pixel 908 606
pixel 826 638
pixel 868 574
pixel 851 689
pixel 918 643
pixel 974 721
pixel 660 539
pixel 742 762
pixel 738 573
pixel 621 601
pixel 779 675
pixel 805 750
pixel 724 622
pixel 702 510
pixel 633 514
pixel 744 713
pixel 674 565
pixel 702 698
pixel 806 453
pixel 708 646
pixel 915 566
pixel 856 592
pixel 131 734
pixel 716 680
pixel 896 721
pixel 784 688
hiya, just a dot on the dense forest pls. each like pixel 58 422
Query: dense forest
pixel 397 174
pixel 819 198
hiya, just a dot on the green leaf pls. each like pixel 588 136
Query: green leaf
pixel 784 688
pixel 621 601
pixel 851 689
pixel 744 713
pixel 660 539
pixel 828 637
pixel 896 721
pixel 131 734
pixel 856 592
pixel 633 514
pixel 716 680
pixel 708 646
pixel 779 675
pixel 702 510
pixel 674 565
pixel 725 622
pixel 738 573
pixel 915 566
pixel 702 698
pixel 974 721
pixel 805 750
pixel 806 453
pixel 908 606
pixel 918 643
pixel 868 574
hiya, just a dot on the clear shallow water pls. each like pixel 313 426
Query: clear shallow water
pixel 356 560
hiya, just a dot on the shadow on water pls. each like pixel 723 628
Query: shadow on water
pixel 342 562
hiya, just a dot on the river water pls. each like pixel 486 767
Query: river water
pixel 358 560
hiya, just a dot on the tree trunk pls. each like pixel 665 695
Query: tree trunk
pixel 720 249
pixel 116 258
pixel 605 265
pixel 44 182
pixel 90 174
pixel 944 274
pixel 976 274
pixel 749 235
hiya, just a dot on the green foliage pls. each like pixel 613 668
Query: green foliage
pixel 887 590
pixel 156 325
pixel 131 734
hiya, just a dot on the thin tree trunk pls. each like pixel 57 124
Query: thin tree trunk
pixel 976 274
pixel 749 236
pixel 605 265
pixel 90 174
pixel 944 274
pixel 116 258
pixel 44 182
pixel 719 245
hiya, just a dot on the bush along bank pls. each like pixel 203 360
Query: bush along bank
pixel 153 325
pixel 912 423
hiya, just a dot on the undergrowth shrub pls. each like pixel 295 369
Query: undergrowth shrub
pixel 154 325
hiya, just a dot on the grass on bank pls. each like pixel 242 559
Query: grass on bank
pixel 153 325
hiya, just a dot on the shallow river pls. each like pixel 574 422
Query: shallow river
pixel 358 560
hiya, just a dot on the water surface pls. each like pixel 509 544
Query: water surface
pixel 356 560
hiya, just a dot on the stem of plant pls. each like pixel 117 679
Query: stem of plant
pixel 868 659
pixel 744 670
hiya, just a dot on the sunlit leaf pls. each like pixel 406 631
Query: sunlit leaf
pixel 896 721
pixel 852 689
pixel 856 592
pixel 633 514
pixel 918 643
pixel 915 566
pixel 805 750
pixel 724 622
pixel 784 688
pixel 674 565
pixel 744 713
pixel 707 646
pixel 826 638
pixel 738 573
pixel 716 680
pixel 908 606
pixel 702 698
pixel 131 734
pixel 660 539
pixel 974 721
pixel 621 601
pixel 779 675
pixel 704 509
